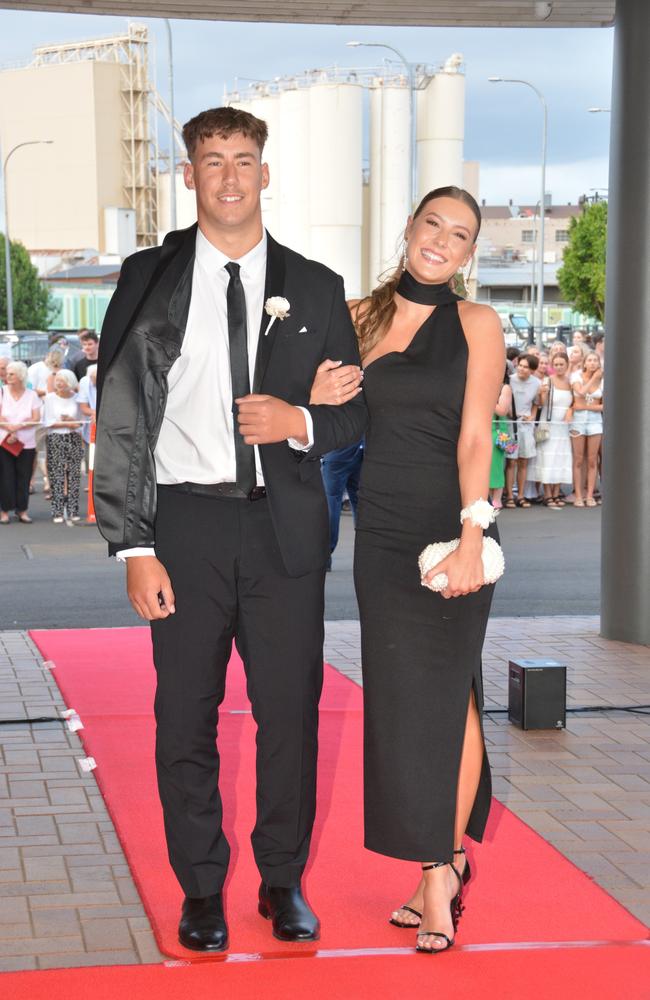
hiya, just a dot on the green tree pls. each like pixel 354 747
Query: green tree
pixel 582 275
pixel 32 299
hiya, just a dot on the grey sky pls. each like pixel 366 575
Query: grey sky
pixel 503 122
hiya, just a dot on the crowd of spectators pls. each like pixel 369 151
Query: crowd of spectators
pixel 46 415
pixel 548 426
pixel 547 429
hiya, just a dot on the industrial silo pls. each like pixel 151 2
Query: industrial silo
pixel 266 105
pixel 390 166
pixel 293 169
pixel 375 259
pixel 335 170
pixel 441 128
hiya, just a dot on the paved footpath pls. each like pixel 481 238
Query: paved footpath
pixel 66 894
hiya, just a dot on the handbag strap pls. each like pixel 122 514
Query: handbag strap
pixel 549 403
pixel 513 414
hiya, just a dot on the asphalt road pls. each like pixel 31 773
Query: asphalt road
pixel 58 576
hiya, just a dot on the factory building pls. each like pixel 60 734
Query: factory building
pixel 339 153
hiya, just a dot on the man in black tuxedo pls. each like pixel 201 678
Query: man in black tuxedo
pixel 207 483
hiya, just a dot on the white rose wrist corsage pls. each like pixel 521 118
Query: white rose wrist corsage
pixel 481 513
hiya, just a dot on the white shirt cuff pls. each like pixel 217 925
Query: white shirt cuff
pixel 296 445
pixel 125 554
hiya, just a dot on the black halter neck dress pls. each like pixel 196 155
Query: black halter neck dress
pixel 421 654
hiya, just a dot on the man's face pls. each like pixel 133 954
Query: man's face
pixel 89 347
pixel 523 370
pixel 228 177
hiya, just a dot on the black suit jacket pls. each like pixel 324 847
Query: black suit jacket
pixel 142 336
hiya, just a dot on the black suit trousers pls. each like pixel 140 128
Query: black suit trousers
pixel 230 583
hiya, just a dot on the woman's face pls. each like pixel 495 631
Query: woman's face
pixel 542 368
pixel 592 363
pixel 440 241
pixel 523 369
pixel 61 387
pixel 13 379
pixel 575 355
pixel 560 366
pixel 555 349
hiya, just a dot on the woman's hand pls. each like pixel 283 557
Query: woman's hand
pixel 464 571
pixel 335 383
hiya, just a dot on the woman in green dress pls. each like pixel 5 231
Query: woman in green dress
pixel 501 434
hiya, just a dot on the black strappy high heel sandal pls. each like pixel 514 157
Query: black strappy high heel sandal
pixel 467 873
pixel 456 909
pixel 466 876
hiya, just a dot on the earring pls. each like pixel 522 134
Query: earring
pixel 404 254
pixel 466 277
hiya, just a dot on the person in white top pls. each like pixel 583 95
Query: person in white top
pixel 41 374
pixel 20 411
pixel 587 429
pixel 64 445
pixel 552 463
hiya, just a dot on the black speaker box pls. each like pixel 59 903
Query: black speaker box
pixel 537 694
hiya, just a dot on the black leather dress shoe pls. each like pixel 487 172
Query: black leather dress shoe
pixel 292 918
pixel 203 926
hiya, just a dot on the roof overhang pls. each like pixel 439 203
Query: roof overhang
pixel 457 13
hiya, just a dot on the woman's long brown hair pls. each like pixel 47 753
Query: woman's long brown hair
pixel 373 315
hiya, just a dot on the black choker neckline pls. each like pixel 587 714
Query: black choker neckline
pixel 425 295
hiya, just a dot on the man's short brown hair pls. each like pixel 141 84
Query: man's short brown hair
pixel 223 122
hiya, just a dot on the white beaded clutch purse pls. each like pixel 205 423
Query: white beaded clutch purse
pixel 492 555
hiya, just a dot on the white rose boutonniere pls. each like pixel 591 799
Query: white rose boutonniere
pixel 276 307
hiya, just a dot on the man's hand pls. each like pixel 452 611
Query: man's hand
pixel 267 420
pixel 149 588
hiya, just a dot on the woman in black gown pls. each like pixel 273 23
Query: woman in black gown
pixel 433 368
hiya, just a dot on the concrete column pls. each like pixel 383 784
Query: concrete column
pixel 625 611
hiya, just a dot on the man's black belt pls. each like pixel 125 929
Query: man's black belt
pixel 224 491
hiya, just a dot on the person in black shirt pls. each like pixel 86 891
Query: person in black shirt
pixel 90 346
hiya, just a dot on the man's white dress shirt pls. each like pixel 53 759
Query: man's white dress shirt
pixel 196 442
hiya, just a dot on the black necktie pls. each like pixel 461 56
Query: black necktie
pixel 238 338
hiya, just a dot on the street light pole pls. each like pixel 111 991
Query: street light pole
pixel 172 155
pixel 10 299
pixel 413 182
pixel 542 203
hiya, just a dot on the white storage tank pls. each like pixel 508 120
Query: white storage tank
pixel 375 265
pixel 396 169
pixel 441 128
pixel 267 107
pixel 335 159
pixel 293 170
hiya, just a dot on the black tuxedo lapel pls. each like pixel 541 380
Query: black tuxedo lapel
pixel 164 311
pixel 165 299
pixel 274 285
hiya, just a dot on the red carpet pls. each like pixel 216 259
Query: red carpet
pixel 525 892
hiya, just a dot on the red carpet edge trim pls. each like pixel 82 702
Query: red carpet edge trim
pixel 243 957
